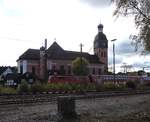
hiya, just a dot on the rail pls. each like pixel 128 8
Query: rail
pixel 39 98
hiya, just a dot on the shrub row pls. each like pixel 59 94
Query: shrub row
pixel 50 87
pixel 24 87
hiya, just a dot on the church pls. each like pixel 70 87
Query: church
pixel 45 60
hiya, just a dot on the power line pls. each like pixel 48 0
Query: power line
pixel 8 38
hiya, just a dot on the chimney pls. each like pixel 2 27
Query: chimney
pixel 45 44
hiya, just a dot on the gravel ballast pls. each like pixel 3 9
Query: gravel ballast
pixel 134 108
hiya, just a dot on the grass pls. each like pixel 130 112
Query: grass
pixel 7 90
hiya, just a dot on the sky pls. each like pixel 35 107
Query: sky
pixel 25 24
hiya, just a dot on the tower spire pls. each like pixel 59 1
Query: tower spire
pixel 100 27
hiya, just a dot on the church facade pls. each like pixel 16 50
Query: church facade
pixel 45 61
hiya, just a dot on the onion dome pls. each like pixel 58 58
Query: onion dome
pixel 100 39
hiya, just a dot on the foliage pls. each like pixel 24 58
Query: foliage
pixel 140 9
pixel 80 66
pixel 2 82
pixel 141 72
pixel 37 87
pixel 23 87
pixel 131 84
pixel 110 87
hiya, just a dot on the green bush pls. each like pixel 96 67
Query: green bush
pixel 2 82
pixel 131 84
pixel 23 87
pixel 69 86
pixel 37 88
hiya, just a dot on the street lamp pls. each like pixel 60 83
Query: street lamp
pixel 114 59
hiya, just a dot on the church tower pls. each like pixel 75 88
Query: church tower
pixel 101 46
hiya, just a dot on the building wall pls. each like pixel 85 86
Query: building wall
pixel 33 64
pixel 58 63
pixel 102 54
pixel 18 66
pixel 99 68
pixel 27 66
pixel 22 66
pixel 96 69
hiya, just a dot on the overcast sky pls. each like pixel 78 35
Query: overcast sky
pixel 26 23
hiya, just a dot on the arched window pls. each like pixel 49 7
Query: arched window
pixel 102 54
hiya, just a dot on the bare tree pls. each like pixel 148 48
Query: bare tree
pixel 140 9
pixel 126 68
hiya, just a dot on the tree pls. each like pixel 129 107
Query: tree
pixel 126 68
pixel 140 9
pixel 2 82
pixel 80 66
pixel 141 72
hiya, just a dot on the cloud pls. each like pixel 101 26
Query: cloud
pixel 97 3
pixel 141 63
pixel 125 48
pixel 118 59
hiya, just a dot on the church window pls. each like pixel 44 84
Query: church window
pixel 69 70
pixel 33 69
pixel 62 70
pixel 21 69
pixel 61 67
pixel 53 67
pixel 93 71
pixel 99 71
pixel 105 55
pixel 101 54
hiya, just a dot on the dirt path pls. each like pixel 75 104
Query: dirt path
pixel 114 109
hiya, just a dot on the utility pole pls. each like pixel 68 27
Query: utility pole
pixel 81 45
pixel 114 60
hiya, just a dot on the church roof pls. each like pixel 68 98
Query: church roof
pixel 31 54
pixel 100 36
pixel 100 41
pixel 56 52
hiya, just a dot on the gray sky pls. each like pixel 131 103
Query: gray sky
pixel 26 23
pixel 97 3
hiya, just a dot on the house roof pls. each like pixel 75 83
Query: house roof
pixel 56 52
pixel 30 54
pixel 4 68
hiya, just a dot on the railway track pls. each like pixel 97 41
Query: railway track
pixel 39 98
